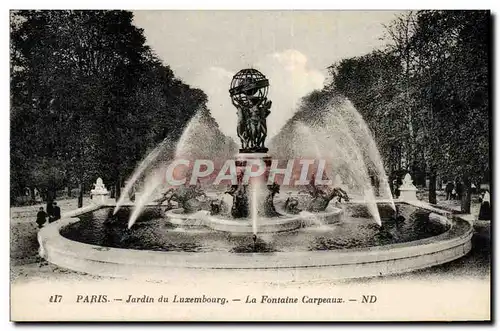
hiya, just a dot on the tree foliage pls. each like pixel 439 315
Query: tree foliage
pixel 88 98
pixel 426 95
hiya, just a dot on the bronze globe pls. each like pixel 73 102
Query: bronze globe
pixel 249 87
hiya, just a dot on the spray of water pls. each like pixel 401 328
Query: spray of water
pixel 154 181
pixel 254 211
pixel 139 171
pixel 336 132
pixel 201 139
pixel 361 133
pixel 341 153
pixel 313 219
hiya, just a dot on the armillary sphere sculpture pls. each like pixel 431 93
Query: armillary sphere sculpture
pixel 248 93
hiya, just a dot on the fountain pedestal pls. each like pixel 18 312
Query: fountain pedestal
pixel 242 159
pixel 408 191
pixel 252 173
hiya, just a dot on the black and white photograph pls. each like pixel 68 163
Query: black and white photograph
pixel 250 165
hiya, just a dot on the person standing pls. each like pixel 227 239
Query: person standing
pixel 485 209
pixel 56 213
pixel 459 189
pixel 396 185
pixel 449 190
pixel 41 217
pixel 50 209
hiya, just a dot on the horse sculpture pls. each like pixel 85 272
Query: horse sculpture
pixel 185 196
pixel 321 198
pixel 268 207
pixel 292 205
pixel 240 201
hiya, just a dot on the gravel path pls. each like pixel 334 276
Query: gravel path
pixel 25 263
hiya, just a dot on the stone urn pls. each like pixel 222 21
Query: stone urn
pixel 99 194
pixel 408 191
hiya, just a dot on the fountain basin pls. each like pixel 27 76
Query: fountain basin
pixel 287 222
pixel 178 217
pixel 226 224
pixel 275 266
pixel 265 225
pixel 330 215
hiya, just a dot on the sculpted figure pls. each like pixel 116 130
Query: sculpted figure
pixel 248 91
pixel 240 201
pixel 268 207
pixel 321 198
pixel 218 206
pixel 242 125
pixel 215 207
pixel 252 124
pixel 185 196
pixel 292 205
pixel 264 110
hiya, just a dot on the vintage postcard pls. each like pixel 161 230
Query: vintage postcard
pixel 250 165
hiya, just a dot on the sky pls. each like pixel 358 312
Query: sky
pixel 292 48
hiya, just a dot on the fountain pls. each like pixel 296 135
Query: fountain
pixel 260 222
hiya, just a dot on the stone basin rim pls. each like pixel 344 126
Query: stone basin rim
pixel 57 226
pixel 330 264
pixel 425 241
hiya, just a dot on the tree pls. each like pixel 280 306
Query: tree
pixel 88 94
pixel 425 96
pixel 368 81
